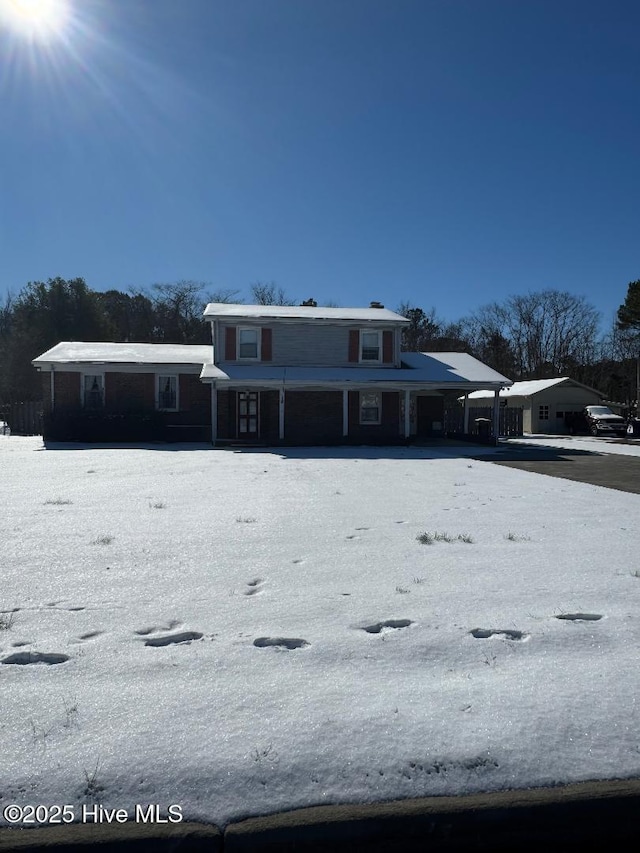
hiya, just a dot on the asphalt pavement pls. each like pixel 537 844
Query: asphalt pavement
pixel 599 469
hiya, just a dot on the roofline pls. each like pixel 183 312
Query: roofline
pixel 343 384
pixel 555 384
pixel 335 321
pixel 122 366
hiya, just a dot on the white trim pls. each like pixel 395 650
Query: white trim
pixel 363 332
pixel 281 414
pixel 168 375
pixel 496 416
pixel 345 412
pixel 379 407
pixel 120 367
pixel 257 331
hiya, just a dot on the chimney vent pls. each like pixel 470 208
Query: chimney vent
pixel 309 303
pixel 376 305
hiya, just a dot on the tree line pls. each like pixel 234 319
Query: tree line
pixel 539 335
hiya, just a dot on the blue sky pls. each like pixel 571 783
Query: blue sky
pixel 448 153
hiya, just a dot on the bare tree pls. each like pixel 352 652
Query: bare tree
pixel 227 295
pixel 268 293
pixel 548 332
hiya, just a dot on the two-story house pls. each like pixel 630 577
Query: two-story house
pixel 274 375
pixel 311 375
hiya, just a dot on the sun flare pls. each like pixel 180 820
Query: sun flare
pixel 42 19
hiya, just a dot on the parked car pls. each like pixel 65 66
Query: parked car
pixel 4 428
pixel 600 420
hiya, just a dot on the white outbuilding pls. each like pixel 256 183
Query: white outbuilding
pixel 545 403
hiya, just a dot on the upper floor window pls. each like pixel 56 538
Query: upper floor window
pixel 93 390
pixel 248 343
pixel 167 392
pixel 370 346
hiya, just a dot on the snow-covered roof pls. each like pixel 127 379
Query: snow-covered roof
pixel 73 352
pixel 440 369
pixel 227 311
pixel 531 387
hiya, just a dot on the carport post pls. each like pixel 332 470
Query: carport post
pixel 496 414
pixel 281 414
pixel 407 414
pixel 345 412
pixel 465 425
pixel 214 413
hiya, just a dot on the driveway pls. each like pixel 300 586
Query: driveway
pixel 599 469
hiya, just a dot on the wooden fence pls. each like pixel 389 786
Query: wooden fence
pixel 23 418
pixel 510 420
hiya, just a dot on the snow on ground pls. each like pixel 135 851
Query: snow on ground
pixel 622 447
pixel 244 632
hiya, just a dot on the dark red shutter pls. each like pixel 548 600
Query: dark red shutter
pixel 354 344
pixel 387 347
pixel 230 344
pixel 266 345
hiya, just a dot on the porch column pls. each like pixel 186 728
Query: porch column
pixel 496 414
pixel 53 389
pixel 345 413
pixel 407 414
pixel 281 414
pixel 214 413
pixel 465 425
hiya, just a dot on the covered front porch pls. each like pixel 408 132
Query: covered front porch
pixel 303 416
pixel 276 404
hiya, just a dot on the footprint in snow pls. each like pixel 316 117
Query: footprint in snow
pixel 580 617
pixel 172 639
pixel 377 627
pixel 28 658
pixel 90 635
pixel 485 633
pixel 254 586
pixel 154 629
pixel 280 643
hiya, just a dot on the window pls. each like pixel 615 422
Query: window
pixel 93 390
pixel 370 407
pixel 167 392
pixel 369 346
pixel 543 413
pixel 248 343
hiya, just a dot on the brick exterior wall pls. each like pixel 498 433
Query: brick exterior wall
pixel 269 416
pixel 313 417
pixel 66 391
pixel 386 431
pixel 226 414
pixel 129 392
pixel 130 409
pixel 195 398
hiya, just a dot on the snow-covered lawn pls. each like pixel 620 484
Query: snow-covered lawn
pixel 332 657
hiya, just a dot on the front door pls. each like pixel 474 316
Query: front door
pixel 248 426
